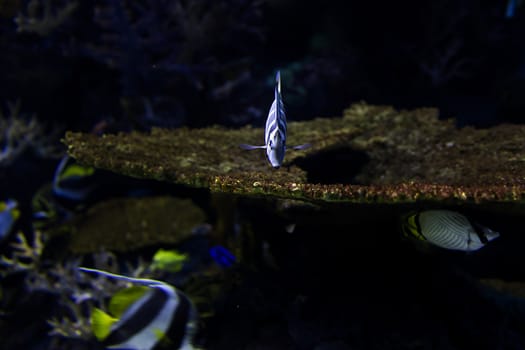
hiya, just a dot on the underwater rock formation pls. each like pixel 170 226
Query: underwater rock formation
pixel 372 154
pixel 126 224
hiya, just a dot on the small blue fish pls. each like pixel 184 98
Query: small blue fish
pixel 145 316
pixel 275 130
pixel 512 5
pixel 9 213
pixel 222 256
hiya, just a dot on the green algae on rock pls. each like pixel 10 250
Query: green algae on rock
pixel 410 156
pixel 126 224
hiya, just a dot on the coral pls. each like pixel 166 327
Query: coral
pixel 183 46
pixel 75 293
pixel 19 133
pixel 377 155
pixel 42 18
pixel 25 255
pixel 127 224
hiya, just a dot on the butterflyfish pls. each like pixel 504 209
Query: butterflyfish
pixel 275 130
pixel 447 229
pixel 149 315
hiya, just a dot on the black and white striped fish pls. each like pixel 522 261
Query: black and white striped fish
pixel 447 229
pixel 275 130
pixel 150 315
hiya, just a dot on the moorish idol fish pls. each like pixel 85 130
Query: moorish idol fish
pixel 72 180
pixel 447 229
pixel 72 186
pixel 149 315
pixel 275 130
pixel 9 213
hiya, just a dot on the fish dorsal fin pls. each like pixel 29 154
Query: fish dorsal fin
pixel 66 171
pixel 124 298
pixel 76 170
pixel 278 81
pixel 101 323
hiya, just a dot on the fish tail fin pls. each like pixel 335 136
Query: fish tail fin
pixel 101 323
pixel 250 147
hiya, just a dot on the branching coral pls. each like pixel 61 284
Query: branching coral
pixel 75 292
pixel 153 38
pixel 174 52
pixel 19 133
pixel 42 18
pixel 26 256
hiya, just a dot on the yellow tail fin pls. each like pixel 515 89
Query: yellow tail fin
pixel 101 323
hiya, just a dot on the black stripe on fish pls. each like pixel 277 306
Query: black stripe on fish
pixel 147 312
pixel 273 126
pixel 282 124
pixel 177 329
pixel 418 226
pixel 479 230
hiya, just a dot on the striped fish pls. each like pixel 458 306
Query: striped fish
pixel 275 130
pixel 447 229
pixel 73 181
pixel 147 316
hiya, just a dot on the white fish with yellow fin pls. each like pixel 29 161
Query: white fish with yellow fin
pixel 149 315
pixel 275 130
pixel 447 229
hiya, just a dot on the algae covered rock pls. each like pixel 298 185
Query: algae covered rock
pixel 371 154
pixel 126 224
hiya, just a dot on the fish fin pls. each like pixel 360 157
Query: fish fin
pixel 301 147
pixel 101 323
pixel 122 299
pixel 278 81
pixel 142 281
pixel 250 147
pixel 76 171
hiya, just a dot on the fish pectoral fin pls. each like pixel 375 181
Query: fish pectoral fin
pixel 101 323
pixel 250 147
pixel 301 147
pixel 124 298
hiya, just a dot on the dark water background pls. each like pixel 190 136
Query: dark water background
pixel 345 280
